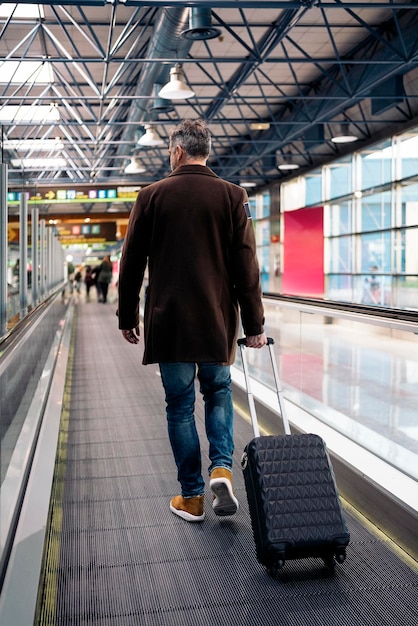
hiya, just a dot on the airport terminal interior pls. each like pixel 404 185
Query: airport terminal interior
pixel 313 110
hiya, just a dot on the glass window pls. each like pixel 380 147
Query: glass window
pixel 376 211
pixel 370 223
pixel 409 205
pixel 405 292
pixel 313 188
pixel 398 263
pixel 408 150
pixel 262 232
pixel 263 254
pixel 265 211
pixel 292 194
pixel 340 287
pixel 340 177
pixel 341 218
pixel 253 206
pixel 340 255
pixel 410 237
pixel 376 252
pixel 376 165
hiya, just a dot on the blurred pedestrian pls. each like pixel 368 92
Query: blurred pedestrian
pixel 77 279
pixel 104 278
pixel 70 277
pixel 88 280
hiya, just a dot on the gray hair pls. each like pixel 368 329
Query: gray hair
pixel 193 136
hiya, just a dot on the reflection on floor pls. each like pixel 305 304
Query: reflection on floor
pixel 361 379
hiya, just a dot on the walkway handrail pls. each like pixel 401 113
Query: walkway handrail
pixel 401 319
pixel 27 364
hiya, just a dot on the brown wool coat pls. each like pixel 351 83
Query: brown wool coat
pixel 193 230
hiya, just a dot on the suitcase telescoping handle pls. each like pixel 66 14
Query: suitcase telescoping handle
pixel 279 391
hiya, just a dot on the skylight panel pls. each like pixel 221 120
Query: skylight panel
pixel 21 11
pixel 40 164
pixel 44 145
pixel 27 113
pixel 21 72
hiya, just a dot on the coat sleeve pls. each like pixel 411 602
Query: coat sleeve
pixel 245 269
pixel 132 266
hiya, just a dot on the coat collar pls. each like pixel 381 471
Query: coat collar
pixel 193 169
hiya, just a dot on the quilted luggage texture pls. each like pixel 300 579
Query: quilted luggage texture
pixel 293 500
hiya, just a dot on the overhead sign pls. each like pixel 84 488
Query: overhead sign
pixel 72 195
pixel 102 232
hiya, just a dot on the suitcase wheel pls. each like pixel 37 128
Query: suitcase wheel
pixel 272 571
pixel 329 561
pixel 340 555
pixel 273 568
pixel 244 460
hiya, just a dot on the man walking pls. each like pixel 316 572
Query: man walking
pixel 194 231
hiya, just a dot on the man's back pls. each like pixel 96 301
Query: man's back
pixel 195 231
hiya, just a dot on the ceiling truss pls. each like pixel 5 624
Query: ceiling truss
pixel 301 68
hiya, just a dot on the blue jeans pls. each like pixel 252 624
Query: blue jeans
pixel 215 385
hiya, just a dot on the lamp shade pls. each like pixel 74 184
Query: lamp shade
pixel 176 88
pixel 150 138
pixel 260 125
pixel 288 166
pixel 134 167
pixel 287 162
pixel 343 135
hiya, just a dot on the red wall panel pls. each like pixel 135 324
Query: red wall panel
pixel 303 271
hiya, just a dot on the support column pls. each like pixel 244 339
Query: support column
pixel 23 254
pixel 42 259
pixel 35 256
pixel 49 272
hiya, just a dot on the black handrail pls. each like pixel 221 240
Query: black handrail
pixel 402 315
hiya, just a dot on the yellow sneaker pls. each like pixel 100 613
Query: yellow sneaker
pixel 190 509
pixel 224 501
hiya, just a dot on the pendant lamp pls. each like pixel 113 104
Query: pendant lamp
pixel 150 138
pixel 343 135
pixel 134 167
pixel 176 88
pixel 287 163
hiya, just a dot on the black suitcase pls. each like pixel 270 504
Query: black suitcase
pixel 292 496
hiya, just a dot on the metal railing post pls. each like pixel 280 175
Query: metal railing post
pixel 35 256
pixel 49 271
pixel 23 254
pixel 42 258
